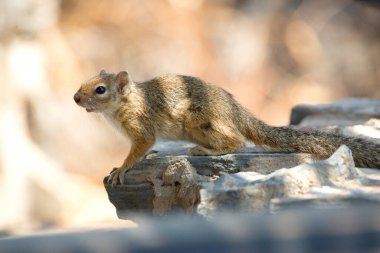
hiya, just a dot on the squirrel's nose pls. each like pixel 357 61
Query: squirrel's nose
pixel 76 98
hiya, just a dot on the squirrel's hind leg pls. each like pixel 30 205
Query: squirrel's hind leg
pixel 216 139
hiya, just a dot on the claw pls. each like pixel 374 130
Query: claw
pixel 121 176
pixel 116 175
pixel 113 170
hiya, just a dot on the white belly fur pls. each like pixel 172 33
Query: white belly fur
pixel 117 125
pixel 168 132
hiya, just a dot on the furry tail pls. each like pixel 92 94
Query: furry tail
pixel 366 153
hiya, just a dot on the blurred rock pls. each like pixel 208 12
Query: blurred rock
pixel 344 112
pixel 351 117
pixel 370 129
pixel 338 230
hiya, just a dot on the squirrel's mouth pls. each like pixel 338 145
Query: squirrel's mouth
pixel 90 109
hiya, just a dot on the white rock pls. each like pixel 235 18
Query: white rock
pixel 333 178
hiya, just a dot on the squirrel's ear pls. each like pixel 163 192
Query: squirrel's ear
pixel 103 72
pixel 123 80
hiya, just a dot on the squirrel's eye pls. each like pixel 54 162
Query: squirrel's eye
pixel 100 90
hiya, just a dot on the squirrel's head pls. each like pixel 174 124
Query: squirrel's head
pixel 104 91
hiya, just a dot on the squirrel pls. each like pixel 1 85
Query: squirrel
pixel 179 107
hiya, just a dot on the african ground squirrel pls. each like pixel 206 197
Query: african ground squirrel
pixel 178 107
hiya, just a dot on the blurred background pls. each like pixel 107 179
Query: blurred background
pixel 271 55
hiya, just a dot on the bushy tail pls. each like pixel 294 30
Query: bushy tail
pixel 366 153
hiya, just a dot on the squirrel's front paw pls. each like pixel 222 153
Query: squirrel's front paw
pixel 117 175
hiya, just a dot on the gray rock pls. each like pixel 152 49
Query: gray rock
pixel 169 179
pixel 333 179
pixel 369 129
pixel 178 188
pixel 345 112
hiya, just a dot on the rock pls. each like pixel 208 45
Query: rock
pixel 370 129
pixel 179 187
pixel 162 184
pixel 334 179
pixel 169 179
pixel 338 230
pixel 350 117
pixel 345 112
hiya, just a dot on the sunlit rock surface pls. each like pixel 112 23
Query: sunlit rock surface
pixel 322 183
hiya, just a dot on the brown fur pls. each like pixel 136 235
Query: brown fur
pixel 186 108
